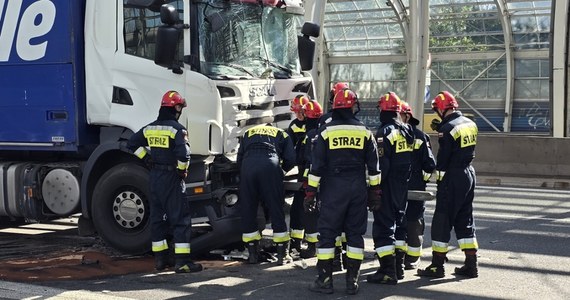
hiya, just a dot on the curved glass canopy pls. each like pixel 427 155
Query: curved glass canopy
pixel 494 55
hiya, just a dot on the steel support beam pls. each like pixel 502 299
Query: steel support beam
pixel 315 12
pixel 559 96
pixel 510 62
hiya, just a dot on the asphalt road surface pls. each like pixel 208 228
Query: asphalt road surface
pixel 524 236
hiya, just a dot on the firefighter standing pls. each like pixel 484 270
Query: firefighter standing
pixel 297 132
pixel 170 156
pixel 261 151
pixel 395 140
pixel 340 242
pixel 344 150
pixel 423 164
pixel 312 111
pixel 457 137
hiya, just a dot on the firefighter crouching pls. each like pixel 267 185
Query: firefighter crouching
pixel 297 132
pixel 423 164
pixel 261 151
pixel 395 141
pixel 344 150
pixel 168 160
pixel 457 137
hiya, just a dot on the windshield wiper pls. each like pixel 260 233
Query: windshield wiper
pixel 277 65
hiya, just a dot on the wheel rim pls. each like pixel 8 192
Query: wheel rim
pixel 129 209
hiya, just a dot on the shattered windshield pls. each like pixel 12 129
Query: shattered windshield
pixel 247 40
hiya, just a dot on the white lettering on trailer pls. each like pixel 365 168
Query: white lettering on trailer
pixel 27 29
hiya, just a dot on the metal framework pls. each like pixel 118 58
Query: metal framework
pixel 514 37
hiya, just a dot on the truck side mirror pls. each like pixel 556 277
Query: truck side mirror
pixel 167 39
pixel 153 5
pixel 306 46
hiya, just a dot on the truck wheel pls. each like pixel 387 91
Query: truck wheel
pixel 120 208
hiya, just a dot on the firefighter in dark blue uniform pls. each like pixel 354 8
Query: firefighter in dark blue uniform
pixel 457 137
pixel 265 152
pixel 312 111
pixel 344 150
pixel 395 144
pixel 340 243
pixel 297 132
pixel 423 164
pixel 170 158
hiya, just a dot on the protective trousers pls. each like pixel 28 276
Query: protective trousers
pixel 389 226
pixel 169 209
pixel 261 181
pixel 343 208
pixel 454 209
pixel 296 221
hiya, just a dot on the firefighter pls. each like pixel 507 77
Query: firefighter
pixel 168 160
pixel 312 111
pixel 297 132
pixel 395 144
pixel 423 164
pixel 344 150
pixel 340 242
pixel 457 137
pixel 264 154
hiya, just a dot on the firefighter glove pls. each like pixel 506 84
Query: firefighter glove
pixel 305 185
pixel 434 124
pixel 310 203
pixel 374 197
pixel 182 173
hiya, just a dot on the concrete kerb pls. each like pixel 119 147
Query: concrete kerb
pixel 527 182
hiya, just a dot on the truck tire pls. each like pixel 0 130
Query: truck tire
pixel 120 208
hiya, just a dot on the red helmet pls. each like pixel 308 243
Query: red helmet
pixel 313 110
pixel 172 98
pixel 337 87
pixel 298 102
pixel 344 99
pixel 390 102
pixel 444 100
pixel 406 108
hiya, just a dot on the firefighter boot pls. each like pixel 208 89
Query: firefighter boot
pixel 436 268
pixel 324 283
pixel 400 256
pixel 283 256
pixel 352 273
pixel 337 264
pixel 162 260
pixel 253 249
pixel 310 252
pixel 386 273
pixel 295 244
pixel 185 265
pixel 469 268
pixel 411 262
